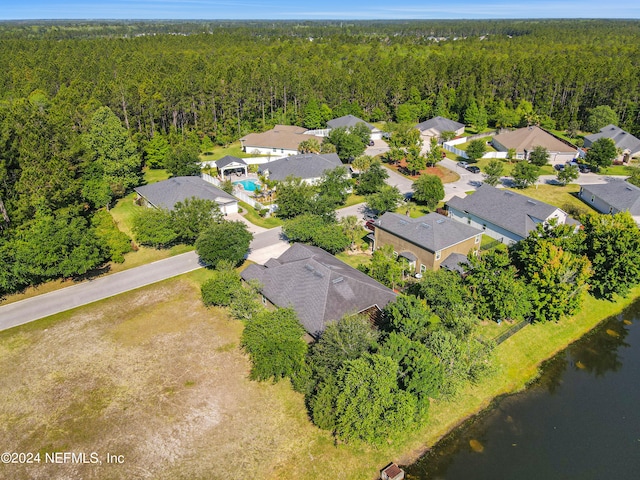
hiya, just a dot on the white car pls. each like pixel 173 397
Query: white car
pixel 462 164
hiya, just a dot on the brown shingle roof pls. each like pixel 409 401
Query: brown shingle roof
pixel 280 136
pixel 529 137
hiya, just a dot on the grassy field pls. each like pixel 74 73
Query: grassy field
pixel 156 377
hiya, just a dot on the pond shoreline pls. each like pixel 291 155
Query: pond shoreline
pixel 522 382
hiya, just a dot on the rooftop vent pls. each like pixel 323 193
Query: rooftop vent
pixel 440 220
pixel 337 280
pixel 309 267
pixel 509 194
pixel 402 222
pixel 531 202
pixel 425 225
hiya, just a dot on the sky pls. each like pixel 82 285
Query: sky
pixel 315 9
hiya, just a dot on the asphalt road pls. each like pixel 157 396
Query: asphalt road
pixel 30 309
pixel 265 245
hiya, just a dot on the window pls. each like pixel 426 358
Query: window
pixel 438 254
pixel 592 198
pixel 275 149
pixel 423 268
pixel 469 220
pixel 484 226
pixel 264 300
pixel 477 239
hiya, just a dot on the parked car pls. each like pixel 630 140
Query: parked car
pixel 462 164
pixel 559 167
pixel 370 225
pixel 584 168
pixel 473 169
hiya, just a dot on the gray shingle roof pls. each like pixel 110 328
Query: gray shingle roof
pixel 228 159
pixel 619 194
pixel 455 262
pixel 318 286
pixel 305 166
pixel 348 121
pixel 432 232
pixel 167 193
pixel 504 208
pixel 622 139
pixel 440 124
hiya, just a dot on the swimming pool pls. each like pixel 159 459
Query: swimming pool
pixel 248 185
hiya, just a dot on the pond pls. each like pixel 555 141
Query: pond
pixel 579 420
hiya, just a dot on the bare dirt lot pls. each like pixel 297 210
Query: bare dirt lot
pixel 152 376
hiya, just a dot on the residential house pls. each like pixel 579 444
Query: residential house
pixel 434 127
pixel 167 193
pixel 502 214
pixel 349 121
pixel 308 166
pixel 318 286
pixel 627 144
pixel 613 197
pixel 524 140
pixel 427 242
pixel 280 141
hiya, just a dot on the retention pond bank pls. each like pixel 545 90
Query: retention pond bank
pixel 579 420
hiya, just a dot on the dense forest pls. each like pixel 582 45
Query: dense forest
pixel 79 102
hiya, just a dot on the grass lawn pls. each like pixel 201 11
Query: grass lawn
pixel 615 170
pixel 507 168
pixel 251 214
pixel 415 211
pixel 354 259
pixel 152 175
pixel 156 377
pixel 564 197
pixel 489 148
pixel 353 199
pixel 216 153
pixel 446 175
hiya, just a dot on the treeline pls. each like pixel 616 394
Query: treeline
pixel 82 104
pixel 237 78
